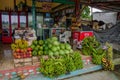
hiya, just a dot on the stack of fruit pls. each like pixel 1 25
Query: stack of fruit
pixel 37 47
pixel 92 47
pixel 20 49
pixel 56 66
pixel 52 47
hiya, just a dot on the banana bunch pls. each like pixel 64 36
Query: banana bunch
pixel 89 45
pixel 52 67
pixel 19 43
pixel 96 59
pixel 59 66
pixel 108 58
pixel 77 60
pixel 14 47
pixel 69 63
pixel 107 65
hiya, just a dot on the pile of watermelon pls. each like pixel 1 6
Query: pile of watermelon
pixel 53 47
pixel 37 47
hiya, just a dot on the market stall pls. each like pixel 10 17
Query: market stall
pixel 51 55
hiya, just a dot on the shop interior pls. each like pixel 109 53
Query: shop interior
pixel 39 20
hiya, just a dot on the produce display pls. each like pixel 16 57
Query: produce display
pixel 107 60
pixel 91 46
pixel 20 49
pixel 53 47
pixel 53 67
pixel 37 47
pixel 57 58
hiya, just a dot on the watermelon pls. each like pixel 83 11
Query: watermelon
pixel 36 48
pixel 49 45
pixel 34 53
pixel 62 46
pixel 45 52
pixel 41 47
pixel 54 49
pixel 40 53
pixel 32 46
pixel 40 42
pixel 58 48
pixel 50 53
pixel 71 51
pixel 61 52
pixel 66 51
pixel 35 42
pixel 55 43
pixel 54 38
pixel 67 46
pixel 46 48
pixel 56 53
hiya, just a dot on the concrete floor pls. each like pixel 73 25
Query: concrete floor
pixel 99 75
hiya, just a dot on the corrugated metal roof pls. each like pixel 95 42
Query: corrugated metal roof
pixel 112 5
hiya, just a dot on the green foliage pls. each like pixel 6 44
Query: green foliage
pixel 77 60
pixel 53 67
pixel 97 58
pixel 89 45
pixel 86 13
pixel 108 58
pixel 70 66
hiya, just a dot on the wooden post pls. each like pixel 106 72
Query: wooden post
pixel 77 8
pixel 34 16
pixel 18 19
pixel 27 19
pixel 10 28
pixel 0 20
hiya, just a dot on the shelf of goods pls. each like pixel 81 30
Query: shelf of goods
pixel 49 32
pixel 26 34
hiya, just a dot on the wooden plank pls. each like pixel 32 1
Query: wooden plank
pixel 35 58
pixel 27 59
pixel 18 64
pixel 18 60
pixel 36 63
pixel 28 64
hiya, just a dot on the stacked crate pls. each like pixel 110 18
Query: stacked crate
pixel 22 62
pixel 18 62
pixel 36 60
pixel 27 61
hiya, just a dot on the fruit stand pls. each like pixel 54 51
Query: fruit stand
pixel 54 60
pixel 49 58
